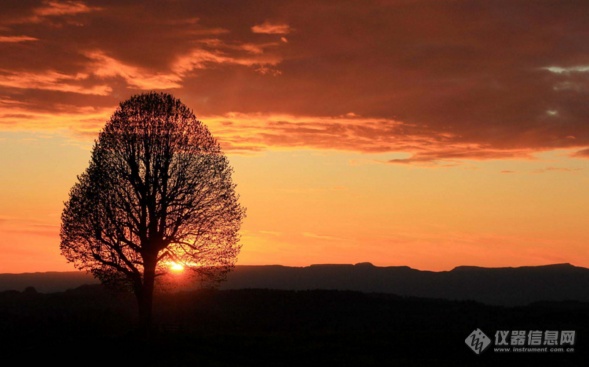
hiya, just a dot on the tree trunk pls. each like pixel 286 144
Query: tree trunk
pixel 145 295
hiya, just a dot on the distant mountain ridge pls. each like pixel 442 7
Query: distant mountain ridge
pixel 498 286
pixel 46 282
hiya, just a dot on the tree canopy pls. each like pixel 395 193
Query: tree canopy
pixel 158 190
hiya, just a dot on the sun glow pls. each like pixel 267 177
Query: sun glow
pixel 175 267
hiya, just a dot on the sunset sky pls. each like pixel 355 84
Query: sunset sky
pixel 423 133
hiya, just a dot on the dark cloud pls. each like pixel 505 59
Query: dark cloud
pixel 448 80
pixel 440 153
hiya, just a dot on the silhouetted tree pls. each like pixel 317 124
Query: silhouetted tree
pixel 158 189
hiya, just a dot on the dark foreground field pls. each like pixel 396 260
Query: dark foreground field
pixel 90 325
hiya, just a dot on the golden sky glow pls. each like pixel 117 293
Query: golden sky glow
pixel 423 133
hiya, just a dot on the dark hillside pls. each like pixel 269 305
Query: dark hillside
pixel 275 328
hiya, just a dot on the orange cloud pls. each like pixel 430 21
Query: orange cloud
pixel 271 28
pixel 81 121
pixel 57 8
pixel 239 131
pixel 196 59
pixel 105 66
pixel 15 39
pixel 199 58
pixel 51 80
pixel 52 10
pixel 484 90
pixel 249 133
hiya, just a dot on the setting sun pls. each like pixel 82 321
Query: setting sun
pixel 175 267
